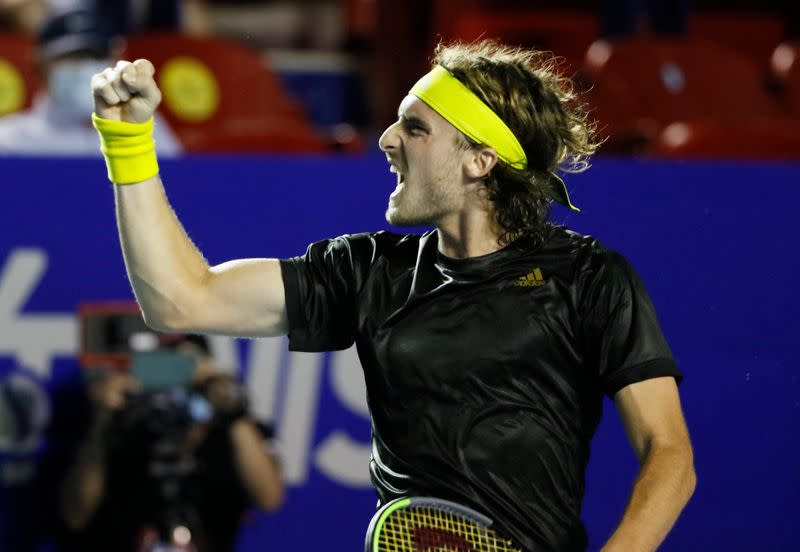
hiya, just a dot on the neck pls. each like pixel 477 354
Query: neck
pixel 468 234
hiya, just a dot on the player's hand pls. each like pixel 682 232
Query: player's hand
pixel 127 92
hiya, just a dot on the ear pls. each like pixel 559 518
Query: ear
pixel 479 162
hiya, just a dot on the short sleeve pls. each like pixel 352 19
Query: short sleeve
pixel 621 328
pixel 321 289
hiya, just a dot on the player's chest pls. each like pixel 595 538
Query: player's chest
pixel 457 330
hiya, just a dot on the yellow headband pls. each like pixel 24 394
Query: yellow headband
pixel 458 105
pixel 465 111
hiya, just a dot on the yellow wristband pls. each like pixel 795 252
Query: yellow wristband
pixel 129 149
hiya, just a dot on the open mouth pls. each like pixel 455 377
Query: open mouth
pixel 400 176
pixel 400 180
pixel 397 190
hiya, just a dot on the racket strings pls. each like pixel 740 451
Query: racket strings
pixel 421 529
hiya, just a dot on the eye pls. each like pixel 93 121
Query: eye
pixel 413 128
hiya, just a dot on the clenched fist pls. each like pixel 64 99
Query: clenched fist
pixel 127 92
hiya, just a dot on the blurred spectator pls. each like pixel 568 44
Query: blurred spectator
pixel 310 25
pixel 135 16
pixel 626 17
pixel 22 15
pixel 167 466
pixel 72 46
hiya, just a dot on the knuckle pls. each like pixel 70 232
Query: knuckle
pixel 110 75
pixel 145 65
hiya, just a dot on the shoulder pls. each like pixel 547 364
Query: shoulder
pixel 377 244
pixel 584 248
pixel 364 249
pixel 349 260
pixel 592 264
pixel 585 253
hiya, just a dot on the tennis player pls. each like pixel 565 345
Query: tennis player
pixel 488 343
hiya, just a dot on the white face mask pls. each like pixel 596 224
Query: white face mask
pixel 70 86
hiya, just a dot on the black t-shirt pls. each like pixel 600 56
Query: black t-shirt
pixel 485 376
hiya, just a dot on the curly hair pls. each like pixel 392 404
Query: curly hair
pixel 540 107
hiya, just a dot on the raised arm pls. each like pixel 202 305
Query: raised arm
pixel 174 285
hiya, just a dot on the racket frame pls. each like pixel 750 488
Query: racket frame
pixel 380 517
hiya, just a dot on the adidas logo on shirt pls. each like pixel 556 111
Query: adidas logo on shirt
pixel 535 278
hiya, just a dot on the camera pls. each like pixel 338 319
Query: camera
pixel 177 417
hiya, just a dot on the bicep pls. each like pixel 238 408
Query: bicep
pixel 652 415
pixel 244 298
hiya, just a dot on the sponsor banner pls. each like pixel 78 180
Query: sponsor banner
pixel 710 241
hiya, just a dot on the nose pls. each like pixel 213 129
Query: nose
pixel 389 140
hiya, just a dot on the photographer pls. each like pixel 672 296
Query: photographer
pixel 166 465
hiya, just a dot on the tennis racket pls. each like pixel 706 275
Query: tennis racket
pixel 424 524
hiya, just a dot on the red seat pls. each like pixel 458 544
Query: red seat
pixel 657 81
pixel 565 33
pixel 774 140
pixel 19 76
pixel 221 96
pixel 361 21
pixel 683 79
pixel 618 116
pixel 753 35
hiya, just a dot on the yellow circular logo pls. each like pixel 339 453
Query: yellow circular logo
pixel 190 89
pixel 12 88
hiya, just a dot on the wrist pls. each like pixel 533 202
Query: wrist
pixel 129 149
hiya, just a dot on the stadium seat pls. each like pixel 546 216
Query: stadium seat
pixel 565 33
pixel 219 96
pixel 19 76
pixel 618 115
pixel 785 70
pixel 753 35
pixel 640 85
pixel 361 22
pixel 774 140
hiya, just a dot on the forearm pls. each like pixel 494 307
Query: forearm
pixel 164 267
pixel 664 485
pixel 257 469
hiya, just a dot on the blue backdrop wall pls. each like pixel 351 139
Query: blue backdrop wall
pixel 712 242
